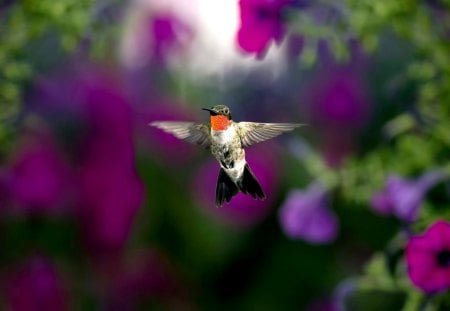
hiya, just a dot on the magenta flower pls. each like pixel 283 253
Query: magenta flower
pixel 339 106
pixel 402 197
pixel 169 34
pixel 154 37
pixel 35 285
pixel 109 190
pixel 340 99
pixel 305 215
pixel 111 194
pixel 243 210
pixel 261 22
pixel 38 178
pixel 428 258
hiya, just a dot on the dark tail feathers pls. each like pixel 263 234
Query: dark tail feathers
pixel 250 185
pixel 227 189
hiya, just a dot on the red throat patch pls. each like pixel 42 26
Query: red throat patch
pixel 219 123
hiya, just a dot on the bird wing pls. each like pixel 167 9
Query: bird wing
pixel 191 132
pixel 252 132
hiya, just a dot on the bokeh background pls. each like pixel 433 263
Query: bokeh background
pixel 99 211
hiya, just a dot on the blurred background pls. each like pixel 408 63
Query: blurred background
pixel 99 211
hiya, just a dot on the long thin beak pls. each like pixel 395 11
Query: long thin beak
pixel 208 109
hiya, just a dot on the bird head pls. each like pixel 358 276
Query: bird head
pixel 220 116
pixel 221 110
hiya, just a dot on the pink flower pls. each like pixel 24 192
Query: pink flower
pixel 154 37
pixel 261 22
pixel 35 285
pixel 305 215
pixel 99 120
pixel 111 192
pixel 339 107
pixel 38 178
pixel 243 210
pixel 428 258
pixel 169 34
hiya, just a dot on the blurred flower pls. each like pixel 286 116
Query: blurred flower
pixel 163 146
pixel 338 105
pixel 169 33
pixel 38 178
pixel 339 100
pixel 305 215
pixel 111 194
pixel 428 258
pixel 153 36
pixel 402 197
pixel 243 210
pixel 101 145
pixel 110 191
pixel 261 22
pixel 34 285
pixel 146 275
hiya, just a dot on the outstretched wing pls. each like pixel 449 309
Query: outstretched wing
pixel 252 132
pixel 191 132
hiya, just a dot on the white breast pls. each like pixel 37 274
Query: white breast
pixel 224 137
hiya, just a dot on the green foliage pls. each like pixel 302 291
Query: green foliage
pixel 22 24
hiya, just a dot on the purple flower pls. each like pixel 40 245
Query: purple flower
pixel 305 215
pixel 243 210
pixel 339 106
pixel 38 178
pixel 340 99
pixel 153 37
pixel 428 258
pixel 402 197
pixel 109 190
pixel 261 22
pixel 169 34
pixel 34 285
pixel 111 194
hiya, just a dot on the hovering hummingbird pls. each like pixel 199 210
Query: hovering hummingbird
pixel 226 140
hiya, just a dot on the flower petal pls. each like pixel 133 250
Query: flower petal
pixel 438 235
pixel 424 268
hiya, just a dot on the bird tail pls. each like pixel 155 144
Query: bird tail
pixel 226 188
pixel 250 185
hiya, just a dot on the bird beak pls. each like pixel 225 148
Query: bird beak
pixel 210 110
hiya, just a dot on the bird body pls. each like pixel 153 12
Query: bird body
pixel 226 140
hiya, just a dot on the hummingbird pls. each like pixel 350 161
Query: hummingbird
pixel 227 141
